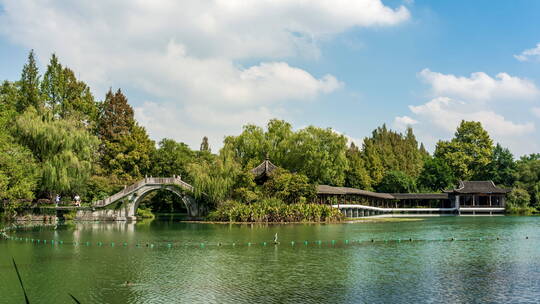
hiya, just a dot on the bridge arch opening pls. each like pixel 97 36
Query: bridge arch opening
pixel 166 203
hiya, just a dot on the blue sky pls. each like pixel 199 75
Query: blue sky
pixel 196 68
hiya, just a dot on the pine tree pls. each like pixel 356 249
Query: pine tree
pixel 116 117
pixel 66 96
pixel 205 147
pixel 53 85
pixel 126 148
pixel 387 150
pixel 356 175
pixel 29 86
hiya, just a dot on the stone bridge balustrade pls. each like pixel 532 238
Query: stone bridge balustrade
pixel 131 196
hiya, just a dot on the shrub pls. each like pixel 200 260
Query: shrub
pixel 274 210
pixel 70 215
pixel 145 213
pixel 518 202
pixel 289 187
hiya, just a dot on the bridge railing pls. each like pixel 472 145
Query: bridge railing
pixel 141 183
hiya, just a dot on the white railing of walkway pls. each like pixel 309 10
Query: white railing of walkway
pixel 147 181
pixel 346 206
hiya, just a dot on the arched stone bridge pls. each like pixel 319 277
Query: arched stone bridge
pixel 123 205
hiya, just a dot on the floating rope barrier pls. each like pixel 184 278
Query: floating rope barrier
pixel 4 234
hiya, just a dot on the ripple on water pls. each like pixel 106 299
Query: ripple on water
pixel 502 271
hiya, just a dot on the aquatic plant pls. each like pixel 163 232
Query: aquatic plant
pixel 274 210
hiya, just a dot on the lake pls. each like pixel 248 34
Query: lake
pixel 492 259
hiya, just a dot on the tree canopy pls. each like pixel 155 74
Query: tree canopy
pixel 469 152
pixel 55 137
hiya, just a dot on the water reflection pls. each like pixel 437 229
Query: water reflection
pixel 503 270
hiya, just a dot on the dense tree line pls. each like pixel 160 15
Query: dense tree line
pixel 56 138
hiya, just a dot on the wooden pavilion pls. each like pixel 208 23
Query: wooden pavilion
pixel 469 196
pixel 262 171
pixel 478 194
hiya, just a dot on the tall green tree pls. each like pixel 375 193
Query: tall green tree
pixel 18 168
pixel 53 85
pixel 129 156
pixel 397 182
pixel 387 150
pixel 502 168
pixel 528 177
pixel 356 175
pixel 126 149
pixel 172 158
pixel 64 150
pixel 29 86
pixel 249 148
pixel 289 187
pixel 214 180
pixel 116 117
pixel 320 154
pixel 436 176
pixel 469 152
pixel 65 95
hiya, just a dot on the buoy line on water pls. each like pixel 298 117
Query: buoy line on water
pixel 4 234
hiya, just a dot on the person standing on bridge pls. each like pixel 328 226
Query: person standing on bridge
pixel 57 200
pixel 77 200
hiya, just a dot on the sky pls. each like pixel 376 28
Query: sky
pixel 206 68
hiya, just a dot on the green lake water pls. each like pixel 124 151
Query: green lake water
pixel 475 268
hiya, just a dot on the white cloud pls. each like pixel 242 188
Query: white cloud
pixel 495 102
pixel 357 141
pixel 480 86
pixel 185 55
pixel 447 113
pixel 529 54
pixel 402 122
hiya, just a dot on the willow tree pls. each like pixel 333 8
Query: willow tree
pixel 249 148
pixel 214 181
pixel 63 149
pixel 320 154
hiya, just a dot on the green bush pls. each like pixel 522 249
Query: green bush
pixel 70 215
pixel 274 210
pixel 518 202
pixel 289 187
pixel 145 213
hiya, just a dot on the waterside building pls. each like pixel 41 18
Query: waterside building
pixel 470 197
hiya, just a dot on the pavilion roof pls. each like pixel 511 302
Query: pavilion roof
pixel 265 168
pixel 470 187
